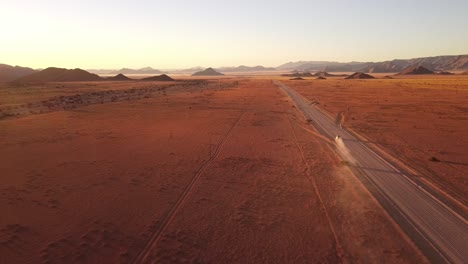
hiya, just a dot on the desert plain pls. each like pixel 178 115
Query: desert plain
pixel 219 170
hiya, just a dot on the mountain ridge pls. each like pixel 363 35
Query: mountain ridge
pixel 145 70
pixel 243 68
pixel 10 73
pixel 434 63
pixel 53 74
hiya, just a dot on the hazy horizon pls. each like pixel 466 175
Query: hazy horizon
pixel 225 66
pixel 183 34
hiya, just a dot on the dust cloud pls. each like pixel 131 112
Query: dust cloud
pixel 344 151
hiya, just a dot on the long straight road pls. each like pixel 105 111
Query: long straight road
pixel 441 233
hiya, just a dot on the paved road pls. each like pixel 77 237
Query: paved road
pixel 437 228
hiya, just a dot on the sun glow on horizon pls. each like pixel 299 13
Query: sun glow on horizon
pixel 184 34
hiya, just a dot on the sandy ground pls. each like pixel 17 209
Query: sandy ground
pixel 222 175
pixel 14 95
pixel 413 118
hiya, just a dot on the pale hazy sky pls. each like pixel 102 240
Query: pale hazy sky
pixel 179 34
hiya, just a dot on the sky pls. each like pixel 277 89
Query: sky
pixel 183 34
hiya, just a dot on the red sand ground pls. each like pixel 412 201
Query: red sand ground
pixel 14 95
pixel 94 184
pixel 414 119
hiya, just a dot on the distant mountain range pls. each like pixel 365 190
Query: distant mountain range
pixel 53 74
pixel 10 73
pixel 59 75
pixel 189 70
pixel 438 63
pixel 149 70
pixel 146 70
pixel 243 68
pixel 312 65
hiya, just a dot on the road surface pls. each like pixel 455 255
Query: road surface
pixel 441 233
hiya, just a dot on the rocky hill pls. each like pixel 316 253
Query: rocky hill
pixel 160 78
pixel 10 73
pixel 208 72
pixel 118 77
pixel 360 75
pixel 416 70
pixel 59 75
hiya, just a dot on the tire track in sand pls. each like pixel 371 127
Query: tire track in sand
pixel 338 247
pixel 152 241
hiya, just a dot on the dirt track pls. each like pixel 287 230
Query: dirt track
pixel 227 175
